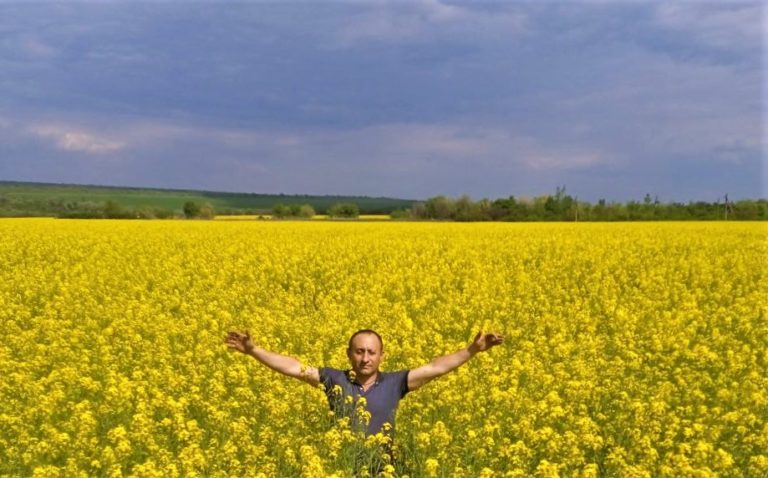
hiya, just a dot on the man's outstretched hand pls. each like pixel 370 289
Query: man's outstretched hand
pixel 483 342
pixel 240 342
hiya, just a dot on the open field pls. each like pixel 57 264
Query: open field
pixel 42 199
pixel 633 350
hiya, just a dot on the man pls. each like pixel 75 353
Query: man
pixel 382 391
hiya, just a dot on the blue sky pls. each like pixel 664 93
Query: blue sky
pixel 613 99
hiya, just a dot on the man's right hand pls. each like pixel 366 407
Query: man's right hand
pixel 240 342
pixel 280 363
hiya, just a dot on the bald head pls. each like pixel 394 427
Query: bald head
pixel 366 332
pixel 364 353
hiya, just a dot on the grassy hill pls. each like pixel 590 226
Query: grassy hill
pixel 46 199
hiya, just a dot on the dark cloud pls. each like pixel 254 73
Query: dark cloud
pixel 404 99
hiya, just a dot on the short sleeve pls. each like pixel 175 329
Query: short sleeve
pixel 404 385
pixel 325 378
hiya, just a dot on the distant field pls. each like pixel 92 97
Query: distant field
pixel 46 199
pixel 252 217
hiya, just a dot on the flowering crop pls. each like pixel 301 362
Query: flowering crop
pixel 632 350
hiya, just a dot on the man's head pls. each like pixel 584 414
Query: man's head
pixel 364 352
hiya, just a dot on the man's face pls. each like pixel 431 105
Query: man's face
pixel 365 354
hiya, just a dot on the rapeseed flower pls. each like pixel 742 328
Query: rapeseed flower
pixel 632 349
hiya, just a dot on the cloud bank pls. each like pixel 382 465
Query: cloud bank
pixel 409 99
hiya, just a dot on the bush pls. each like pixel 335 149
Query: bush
pixel 400 214
pixel 162 213
pixel 191 209
pixel 207 211
pixel 440 207
pixel 146 212
pixel 195 210
pixel 344 210
pixel 281 211
pixel 306 211
pixel 113 210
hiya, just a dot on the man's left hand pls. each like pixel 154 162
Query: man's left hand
pixel 483 342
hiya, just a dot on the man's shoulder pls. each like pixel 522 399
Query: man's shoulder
pixel 331 370
pixel 397 382
pixel 333 373
pixel 395 372
pixel 394 376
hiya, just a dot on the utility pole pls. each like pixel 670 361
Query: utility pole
pixel 726 207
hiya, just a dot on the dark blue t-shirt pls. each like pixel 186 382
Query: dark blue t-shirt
pixel 381 399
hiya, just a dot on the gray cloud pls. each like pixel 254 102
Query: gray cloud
pixel 408 99
pixel 430 21
pixel 731 25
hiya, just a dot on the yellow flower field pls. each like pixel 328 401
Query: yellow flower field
pixel 632 350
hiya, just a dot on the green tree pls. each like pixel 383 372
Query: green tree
pixel 146 212
pixel 306 211
pixel 401 214
pixel 280 211
pixel 483 209
pixel 113 210
pixel 207 211
pixel 344 210
pixel 439 207
pixel 746 210
pixel 191 209
pixel 464 209
pixel 418 210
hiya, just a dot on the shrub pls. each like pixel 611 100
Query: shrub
pixel 195 210
pixel 293 210
pixel 280 211
pixel 400 214
pixel 191 209
pixel 207 211
pixel 344 210
pixel 306 211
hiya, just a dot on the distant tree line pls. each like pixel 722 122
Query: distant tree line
pixel 113 210
pixel 72 209
pixel 29 198
pixel 552 207
pixel 110 209
pixel 563 207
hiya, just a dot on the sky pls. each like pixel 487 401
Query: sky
pixel 407 99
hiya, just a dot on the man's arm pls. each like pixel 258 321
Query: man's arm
pixel 442 365
pixel 279 363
